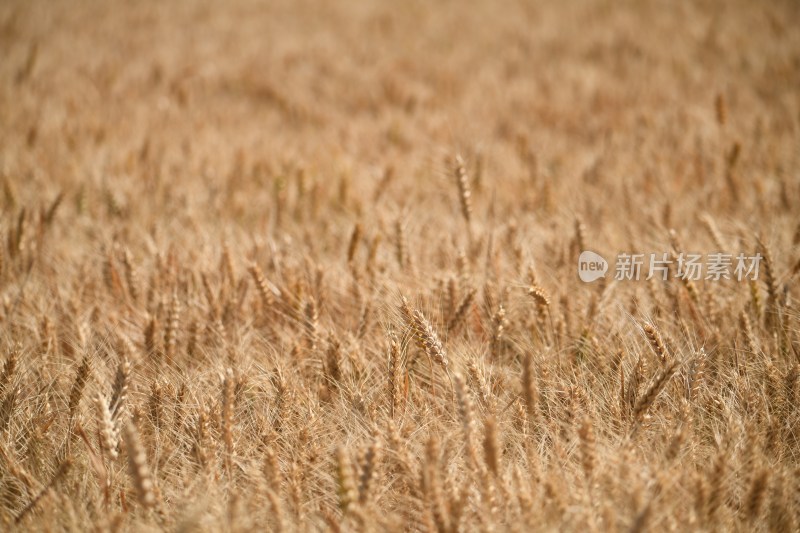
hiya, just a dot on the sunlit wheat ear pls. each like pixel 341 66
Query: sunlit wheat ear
pixel 732 158
pixel 540 296
pixel 394 376
pixel 465 411
pixel 131 275
pixel 81 377
pixel 480 385
pixel 426 337
pixel 756 301
pixel 138 467
pixel 649 397
pixel 499 325
pixel 355 239
pixel 429 342
pixel 227 268
pixel 747 334
pixel 227 411
pixel 193 339
pixel 112 278
pixel 364 320
pixel 369 468
pixel 155 404
pixel 432 487
pixel 9 368
pixel 372 264
pixel 267 297
pixel 150 341
pixel 460 314
pixel 119 391
pixel 677 441
pixel 530 389
pixel 491 446
pixel 772 309
pixel 401 245
pixel 200 446
pixel 172 328
pixel 346 484
pixel 106 427
pixel 587 447
pixel 716 236
pixel 464 193
pixel 450 292
pixel 8 407
pixel 656 342
pixel 580 234
pixel 695 375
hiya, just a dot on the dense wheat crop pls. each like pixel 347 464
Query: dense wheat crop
pixel 297 265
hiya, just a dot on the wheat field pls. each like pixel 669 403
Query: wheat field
pixel 314 266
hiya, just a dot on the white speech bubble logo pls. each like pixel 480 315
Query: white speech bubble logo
pixel 591 266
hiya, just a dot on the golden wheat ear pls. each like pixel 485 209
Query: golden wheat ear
pixel 464 192
pixel 138 468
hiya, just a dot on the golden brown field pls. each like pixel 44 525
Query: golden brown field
pixel 298 265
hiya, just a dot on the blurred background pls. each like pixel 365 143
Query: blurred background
pixel 203 103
